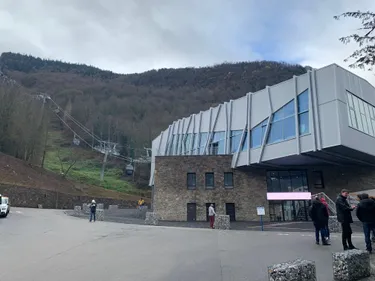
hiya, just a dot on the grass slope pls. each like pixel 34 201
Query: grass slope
pixel 87 167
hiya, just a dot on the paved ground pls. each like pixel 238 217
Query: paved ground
pixel 48 245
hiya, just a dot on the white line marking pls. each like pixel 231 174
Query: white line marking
pixel 18 212
pixel 283 234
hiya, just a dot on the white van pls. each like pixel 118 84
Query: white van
pixel 4 206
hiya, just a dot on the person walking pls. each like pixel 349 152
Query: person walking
pixel 344 216
pixel 373 231
pixel 319 216
pixel 211 215
pixel 366 214
pixel 93 210
pixel 326 227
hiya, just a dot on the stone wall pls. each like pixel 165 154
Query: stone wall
pixel 31 197
pixel 171 194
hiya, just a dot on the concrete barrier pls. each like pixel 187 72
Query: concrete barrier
pixel 351 265
pixel 151 218
pixel 40 206
pixel 112 207
pixel 333 225
pixel 86 208
pixel 222 222
pixel 99 214
pixel 297 270
pixel 100 206
pixel 77 210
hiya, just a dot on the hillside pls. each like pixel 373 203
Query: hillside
pixel 123 107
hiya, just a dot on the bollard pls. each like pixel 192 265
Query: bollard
pixel 333 225
pixel 351 265
pixel 99 214
pixel 222 222
pixel 151 218
pixel 297 270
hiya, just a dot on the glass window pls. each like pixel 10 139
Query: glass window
pixel 187 143
pixel 283 125
pixel 195 144
pixel 318 179
pixel 257 134
pixel 360 114
pixel 244 142
pixel 217 143
pixel 287 181
pixel 303 101
pixel 202 143
pixel 303 120
pixel 191 180
pixel 209 180
pixel 235 139
pixel 228 179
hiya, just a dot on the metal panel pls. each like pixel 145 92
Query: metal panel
pixel 268 125
pixel 249 97
pixel 316 111
pixel 227 131
pixel 170 130
pixel 311 111
pixel 212 128
pixel 159 146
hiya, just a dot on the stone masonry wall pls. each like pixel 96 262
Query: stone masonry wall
pixel 31 197
pixel 171 194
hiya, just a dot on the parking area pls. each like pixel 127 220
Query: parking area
pixel 49 245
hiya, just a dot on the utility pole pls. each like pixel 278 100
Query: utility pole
pixel 103 166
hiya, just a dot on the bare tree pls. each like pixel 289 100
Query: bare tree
pixel 365 55
pixel 68 162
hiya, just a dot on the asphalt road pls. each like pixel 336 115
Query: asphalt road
pixel 47 245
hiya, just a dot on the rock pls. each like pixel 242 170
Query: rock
pixel 151 218
pixel 222 222
pixel 333 225
pixel 99 214
pixel 86 208
pixel 77 210
pixel 112 207
pixel 100 206
pixel 351 265
pixel 297 270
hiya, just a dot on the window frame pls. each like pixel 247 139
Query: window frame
pixel 361 114
pixel 280 120
pixel 193 186
pixel 303 112
pixel 213 180
pixel 321 185
pixel 228 186
pixel 304 180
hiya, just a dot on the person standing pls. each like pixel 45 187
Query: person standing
pixel 326 227
pixel 319 215
pixel 366 214
pixel 344 216
pixel 93 210
pixel 211 215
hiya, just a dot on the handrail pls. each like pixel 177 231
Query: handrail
pixel 330 203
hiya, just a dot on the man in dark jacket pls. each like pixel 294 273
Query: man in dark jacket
pixel 93 210
pixel 366 214
pixel 319 215
pixel 344 216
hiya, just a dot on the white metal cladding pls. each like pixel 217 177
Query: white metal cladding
pixel 325 115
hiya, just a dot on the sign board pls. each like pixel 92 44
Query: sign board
pixel 261 211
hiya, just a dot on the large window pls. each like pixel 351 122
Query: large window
pixel 228 180
pixel 244 142
pixel 191 181
pixel 217 143
pixel 186 143
pixel 283 124
pixel 195 144
pixel 235 139
pixel 257 134
pixel 361 115
pixel 303 112
pixel 287 181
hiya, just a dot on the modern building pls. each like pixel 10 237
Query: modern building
pixel 273 148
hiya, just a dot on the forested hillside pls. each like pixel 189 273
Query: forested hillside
pixel 132 109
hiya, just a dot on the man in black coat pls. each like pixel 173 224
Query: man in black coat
pixel 344 216
pixel 366 214
pixel 319 215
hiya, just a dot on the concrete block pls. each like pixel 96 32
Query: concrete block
pixel 99 214
pixel 86 208
pixel 297 270
pixel 100 206
pixel 333 225
pixel 151 218
pixel 222 222
pixel 112 207
pixel 351 265
pixel 77 210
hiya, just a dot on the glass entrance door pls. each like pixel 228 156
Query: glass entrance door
pixel 289 212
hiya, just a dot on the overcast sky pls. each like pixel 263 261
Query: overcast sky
pixel 128 36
